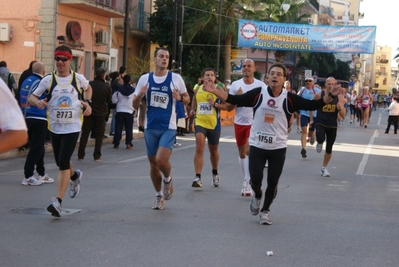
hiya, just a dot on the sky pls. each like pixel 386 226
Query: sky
pixel 381 13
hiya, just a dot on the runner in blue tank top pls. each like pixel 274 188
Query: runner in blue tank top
pixel 162 89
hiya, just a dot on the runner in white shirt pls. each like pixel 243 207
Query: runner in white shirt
pixel 243 119
pixel 13 131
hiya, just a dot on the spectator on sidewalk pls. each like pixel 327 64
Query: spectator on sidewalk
pixel 36 121
pixel 123 98
pixel 7 77
pixel 96 121
pixel 393 115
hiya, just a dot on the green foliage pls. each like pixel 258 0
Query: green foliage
pixel 342 72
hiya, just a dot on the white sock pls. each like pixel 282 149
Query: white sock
pixel 242 165
pixel 167 180
pixel 247 176
pixel 160 193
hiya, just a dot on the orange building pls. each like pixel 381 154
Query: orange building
pixel 93 29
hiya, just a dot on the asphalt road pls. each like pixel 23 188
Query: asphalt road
pixel 348 219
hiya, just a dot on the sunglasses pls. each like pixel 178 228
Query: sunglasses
pixel 63 59
pixel 308 81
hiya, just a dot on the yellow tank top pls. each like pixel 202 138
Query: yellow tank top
pixel 206 115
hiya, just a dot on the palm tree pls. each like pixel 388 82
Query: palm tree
pixel 276 13
pixel 205 21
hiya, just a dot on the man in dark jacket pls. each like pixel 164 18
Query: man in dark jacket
pixel 96 121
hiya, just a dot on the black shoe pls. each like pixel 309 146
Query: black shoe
pixel 105 137
pixel 303 153
pixel 111 134
pixel 141 129
pixel 386 132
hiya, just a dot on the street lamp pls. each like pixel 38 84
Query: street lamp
pixel 285 6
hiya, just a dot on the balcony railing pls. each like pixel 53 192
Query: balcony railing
pixel 105 8
pixel 326 10
pixel 384 61
pixel 138 23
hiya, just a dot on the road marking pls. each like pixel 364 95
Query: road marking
pixel 365 158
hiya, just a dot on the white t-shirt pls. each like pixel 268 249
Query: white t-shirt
pixel 244 115
pixel 64 110
pixel 11 115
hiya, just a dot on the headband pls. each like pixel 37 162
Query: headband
pixel 63 53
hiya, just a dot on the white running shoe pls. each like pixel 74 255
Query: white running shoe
pixel 246 190
pixel 54 208
pixel 45 179
pixel 254 207
pixel 319 147
pixel 176 145
pixel 158 204
pixel 197 182
pixel 215 180
pixel 264 218
pixel 31 181
pixel 168 189
pixel 74 186
pixel 324 172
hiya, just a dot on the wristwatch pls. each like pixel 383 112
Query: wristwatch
pixel 88 101
pixel 216 105
pixel 181 98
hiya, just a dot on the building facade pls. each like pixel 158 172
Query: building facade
pixel 30 30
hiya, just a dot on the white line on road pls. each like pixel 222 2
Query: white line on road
pixel 365 158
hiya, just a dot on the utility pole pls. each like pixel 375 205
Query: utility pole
pixel 219 30
pixel 174 37
pixel 126 30
pixel 181 20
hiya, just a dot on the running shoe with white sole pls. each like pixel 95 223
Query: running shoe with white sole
pixel 45 179
pixel 215 180
pixel 197 182
pixel 264 218
pixel 168 189
pixel 54 208
pixel 324 172
pixel 312 140
pixel 319 147
pixel 254 207
pixel 158 204
pixel 246 190
pixel 74 186
pixel 31 181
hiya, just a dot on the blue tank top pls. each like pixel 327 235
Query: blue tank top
pixel 161 113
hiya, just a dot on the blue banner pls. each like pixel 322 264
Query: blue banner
pixel 306 38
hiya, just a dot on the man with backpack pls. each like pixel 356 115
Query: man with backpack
pixel 306 117
pixel 7 77
pixel 36 121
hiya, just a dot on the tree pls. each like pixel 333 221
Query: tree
pixel 322 63
pixel 342 72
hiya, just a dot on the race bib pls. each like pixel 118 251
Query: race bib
pixel 63 115
pixel 265 140
pixel 204 108
pixel 159 100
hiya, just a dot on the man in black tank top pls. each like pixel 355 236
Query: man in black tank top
pixel 326 123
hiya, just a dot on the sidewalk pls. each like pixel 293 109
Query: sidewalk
pixel 49 148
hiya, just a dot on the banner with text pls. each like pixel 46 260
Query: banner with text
pixel 306 38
